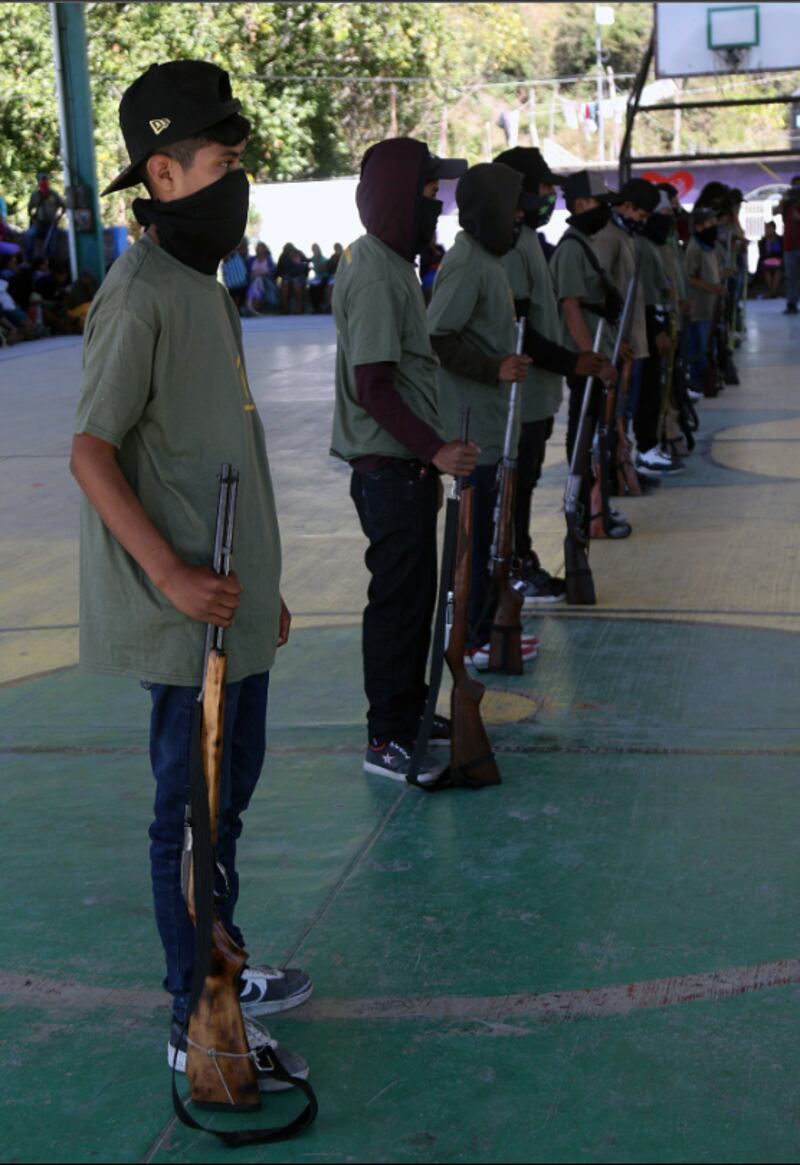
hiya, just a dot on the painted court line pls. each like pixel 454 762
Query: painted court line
pixel 547 1007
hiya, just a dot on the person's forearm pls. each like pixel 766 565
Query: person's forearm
pixel 95 468
pixel 378 396
pixel 700 284
pixel 576 325
pixel 460 357
pixel 548 354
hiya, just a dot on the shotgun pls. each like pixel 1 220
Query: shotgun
pixel 218 1063
pixel 505 645
pixel 472 761
pixel 580 584
pixel 600 522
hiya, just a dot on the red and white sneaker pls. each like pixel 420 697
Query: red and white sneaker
pixel 479 657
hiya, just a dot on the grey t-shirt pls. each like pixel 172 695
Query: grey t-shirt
pixel 702 263
pixel 615 250
pixel 575 277
pixel 471 297
pixel 164 381
pixel 529 277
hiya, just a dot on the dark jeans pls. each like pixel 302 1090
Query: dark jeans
pixel 533 439
pixel 481 608
pixel 648 410
pixel 698 350
pixel 171 722
pixel 397 507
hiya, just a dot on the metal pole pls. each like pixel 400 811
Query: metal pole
pixel 601 129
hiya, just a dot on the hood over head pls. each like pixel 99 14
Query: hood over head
pixel 488 196
pixel 389 195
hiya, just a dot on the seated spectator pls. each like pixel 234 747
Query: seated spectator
pixel 234 276
pixel 78 299
pixel 319 279
pixel 7 244
pixel 292 272
pixel 262 292
pixel 17 324
pixel 333 263
pixel 770 260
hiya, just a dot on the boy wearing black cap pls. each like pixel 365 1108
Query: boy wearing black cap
pixel 471 322
pixel 164 401
pixel 388 428
pixel 534 297
pixel 585 295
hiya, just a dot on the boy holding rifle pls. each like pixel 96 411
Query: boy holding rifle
pixel 471 322
pixel 534 298
pixel 386 425
pixel 585 295
pixel 705 289
pixel 164 401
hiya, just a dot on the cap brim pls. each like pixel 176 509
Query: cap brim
pixel 443 168
pixel 130 176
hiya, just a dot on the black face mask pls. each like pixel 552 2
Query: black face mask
pixel 542 213
pixel 591 221
pixel 658 228
pixel 707 237
pixel 631 226
pixel 427 218
pixel 201 229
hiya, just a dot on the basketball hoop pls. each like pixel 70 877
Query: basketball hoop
pixel 731 58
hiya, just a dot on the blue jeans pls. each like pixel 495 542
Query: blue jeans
pixel 698 350
pixel 171 722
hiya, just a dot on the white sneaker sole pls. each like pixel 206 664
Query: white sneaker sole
pixel 535 600
pixel 178 1060
pixel 265 1007
pixel 424 778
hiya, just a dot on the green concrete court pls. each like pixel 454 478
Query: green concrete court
pixel 596 961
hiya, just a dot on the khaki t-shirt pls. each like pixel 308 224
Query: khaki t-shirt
pixel 472 298
pixel 380 317
pixel 529 277
pixel 652 279
pixel 702 264
pixel 164 381
pixel 615 250
pixel 575 277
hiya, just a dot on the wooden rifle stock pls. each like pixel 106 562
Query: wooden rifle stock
pixel 627 477
pixel 471 758
pixel 578 575
pixel 505 644
pixel 218 1063
pixel 714 380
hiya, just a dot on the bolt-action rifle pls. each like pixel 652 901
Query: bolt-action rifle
pixel 714 381
pixel 219 1063
pixel 601 524
pixel 471 758
pixel 505 645
pixel 580 584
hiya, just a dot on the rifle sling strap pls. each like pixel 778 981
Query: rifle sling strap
pixel 204 866
pixel 437 651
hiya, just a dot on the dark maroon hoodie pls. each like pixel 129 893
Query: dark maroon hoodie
pixel 393 177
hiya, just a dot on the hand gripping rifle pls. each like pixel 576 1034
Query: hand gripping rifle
pixel 220 1066
pixel 580 584
pixel 612 413
pixel 472 761
pixel 505 645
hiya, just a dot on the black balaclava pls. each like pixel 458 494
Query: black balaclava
pixel 658 228
pixel 428 211
pixel 591 221
pixel 487 198
pixel 529 162
pixel 707 237
pixel 390 199
pixel 201 229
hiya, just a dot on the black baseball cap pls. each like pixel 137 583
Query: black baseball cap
pixel 166 104
pixel 440 169
pixel 586 184
pixel 643 194
pixel 532 165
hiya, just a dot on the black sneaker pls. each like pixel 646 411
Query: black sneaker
pixel 394 760
pixel 790 309
pixel 540 587
pixel 440 733
pixel 266 990
pixel 258 1039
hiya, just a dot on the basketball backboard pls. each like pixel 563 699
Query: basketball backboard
pixel 700 39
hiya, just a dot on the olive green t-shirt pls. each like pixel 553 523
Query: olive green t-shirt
pixel 652 278
pixel 574 277
pixel 702 264
pixel 472 298
pixel 380 317
pixel 164 381
pixel 615 250
pixel 529 278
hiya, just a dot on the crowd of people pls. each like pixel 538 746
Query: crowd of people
pixel 258 285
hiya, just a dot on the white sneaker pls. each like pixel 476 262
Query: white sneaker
pixel 654 459
pixel 479 657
